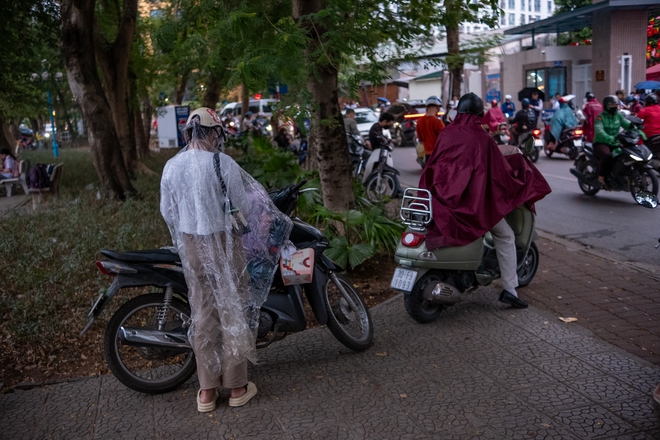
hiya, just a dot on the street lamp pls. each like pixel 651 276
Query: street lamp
pixel 44 77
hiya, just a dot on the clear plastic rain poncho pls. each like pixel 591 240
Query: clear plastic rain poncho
pixel 229 235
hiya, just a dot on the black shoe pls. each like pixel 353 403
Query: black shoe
pixel 515 302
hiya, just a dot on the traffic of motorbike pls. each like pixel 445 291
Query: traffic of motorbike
pixel 631 171
pixel 146 344
pixel 359 155
pixel 570 142
pixel 432 281
pixel 530 144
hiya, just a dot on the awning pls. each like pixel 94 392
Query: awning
pixel 579 18
pixel 653 73
pixel 429 76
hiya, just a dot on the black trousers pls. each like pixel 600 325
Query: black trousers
pixel 603 153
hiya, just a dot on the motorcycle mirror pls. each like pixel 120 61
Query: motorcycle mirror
pixel 646 199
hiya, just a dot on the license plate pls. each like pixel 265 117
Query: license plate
pixel 505 138
pixel 403 279
pixel 538 142
pixel 577 142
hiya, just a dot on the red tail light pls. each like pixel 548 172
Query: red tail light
pixel 412 239
pixel 102 268
pixel 578 132
pixel 536 132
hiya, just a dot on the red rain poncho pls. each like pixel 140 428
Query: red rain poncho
pixel 493 118
pixel 473 185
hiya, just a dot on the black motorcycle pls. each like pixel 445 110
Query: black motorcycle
pixel 570 143
pixel 631 170
pixel 146 343
pixel 358 154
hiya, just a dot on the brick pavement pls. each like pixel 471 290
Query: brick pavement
pixel 618 301
pixel 481 371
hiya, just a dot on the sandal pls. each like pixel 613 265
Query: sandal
pixel 206 407
pixel 250 392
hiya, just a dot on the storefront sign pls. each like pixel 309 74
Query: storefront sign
pixel 558 63
pixel 600 75
pixel 493 88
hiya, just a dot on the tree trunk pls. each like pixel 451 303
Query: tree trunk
pixel 113 60
pixel 455 63
pixel 212 93
pixel 82 74
pixel 181 90
pixel 327 140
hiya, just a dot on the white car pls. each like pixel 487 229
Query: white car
pixel 365 119
pixel 256 106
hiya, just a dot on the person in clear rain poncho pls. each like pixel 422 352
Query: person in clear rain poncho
pixel 229 235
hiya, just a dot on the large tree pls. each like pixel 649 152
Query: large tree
pixel 78 53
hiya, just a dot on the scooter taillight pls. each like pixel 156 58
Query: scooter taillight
pixel 112 269
pixel 578 132
pixel 536 132
pixel 412 239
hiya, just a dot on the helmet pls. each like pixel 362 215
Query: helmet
pixel 590 96
pixel 434 100
pixel 493 103
pixel 248 113
pixel 206 116
pixel 651 99
pixel 507 97
pixel 611 104
pixel 525 102
pixel 630 98
pixel 201 123
pixel 619 92
pixel 470 104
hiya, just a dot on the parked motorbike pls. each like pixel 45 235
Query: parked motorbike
pixel 570 142
pixel 380 177
pixel 359 155
pixel 434 280
pixel 631 170
pixel 146 344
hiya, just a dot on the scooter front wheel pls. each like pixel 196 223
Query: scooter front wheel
pixel 348 316
pixel 417 306
pixel 378 188
pixel 148 369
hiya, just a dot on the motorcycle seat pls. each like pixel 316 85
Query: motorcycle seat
pixel 145 256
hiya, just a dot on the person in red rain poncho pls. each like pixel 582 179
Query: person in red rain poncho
pixel 473 187
pixel 592 108
pixel 493 117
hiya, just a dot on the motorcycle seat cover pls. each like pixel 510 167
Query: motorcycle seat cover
pixel 145 256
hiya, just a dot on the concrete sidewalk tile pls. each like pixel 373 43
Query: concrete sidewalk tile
pixel 605 388
pixel 592 422
pixel 568 369
pixel 552 395
pixel 22 413
pixel 642 412
pixel 613 363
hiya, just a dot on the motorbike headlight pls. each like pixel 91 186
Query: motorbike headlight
pixel 47 135
pixel 650 156
pixel 269 128
pixel 635 157
pixel 231 124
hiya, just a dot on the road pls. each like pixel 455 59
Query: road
pixel 610 221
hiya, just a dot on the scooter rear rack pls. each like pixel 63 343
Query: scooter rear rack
pixel 416 210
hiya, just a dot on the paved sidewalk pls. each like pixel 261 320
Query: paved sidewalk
pixel 481 371
pixel 7 204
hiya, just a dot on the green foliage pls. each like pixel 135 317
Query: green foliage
pixel 562 6
pixel 272 167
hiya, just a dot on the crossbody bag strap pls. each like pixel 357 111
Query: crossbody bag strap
pixel 223 185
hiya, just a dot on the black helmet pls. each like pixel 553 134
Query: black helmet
pixel 525 102
pixel 470 104
pixel 590 96
pixel 651 99
pixel 610 100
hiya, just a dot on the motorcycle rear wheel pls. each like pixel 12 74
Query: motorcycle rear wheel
pixel 548 152
pixel 643 180
pixel 528 267
pixel 148 370
pixel 376 191
pixel 534 155
pixel 353 328
pixel 418 308
pixel 589 170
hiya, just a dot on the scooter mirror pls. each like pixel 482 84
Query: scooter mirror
pixel 646 199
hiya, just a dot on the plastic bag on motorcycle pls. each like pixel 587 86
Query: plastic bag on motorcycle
pixel 228 234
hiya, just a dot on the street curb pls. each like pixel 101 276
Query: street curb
pixel 650 270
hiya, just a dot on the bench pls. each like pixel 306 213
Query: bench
pixel 21 179
pixel 54 189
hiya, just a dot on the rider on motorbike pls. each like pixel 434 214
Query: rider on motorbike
pixel 508 107
pixel 607 128
pixel 592 109
pixel 651 116
pixel 523 122
pixel 563 118
pixel 473 187
pixel 493 117
pixel 376 136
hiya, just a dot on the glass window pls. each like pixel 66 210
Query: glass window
pixel 529 6
pixel 502 4
pixel 266 108
pixel 536 78
pixel 512 19
pixel 522 19
pixel 362 117
pixel 549 7
pixel 522 4
pixel 512 5
pixel 537 5
pixel 503 19
pixel 531 19
pixel 537 18
pixel 254 109
pixel 556 81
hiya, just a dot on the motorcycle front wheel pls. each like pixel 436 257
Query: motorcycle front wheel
pixel 534 155
pixel 528 266
pixel 349 323
pixel 378 188
pixel 146 369
pixel 643 180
